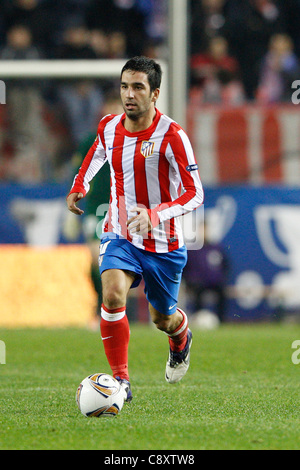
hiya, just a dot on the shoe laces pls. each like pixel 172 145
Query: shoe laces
pixel 177 357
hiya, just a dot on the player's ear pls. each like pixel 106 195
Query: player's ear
pixel 155 95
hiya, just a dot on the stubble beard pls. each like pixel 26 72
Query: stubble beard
pixel 132 115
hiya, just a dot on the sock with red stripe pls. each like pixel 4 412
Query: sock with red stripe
pixel 178 338
pixel 115 335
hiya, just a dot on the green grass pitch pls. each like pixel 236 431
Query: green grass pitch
pixel 241 392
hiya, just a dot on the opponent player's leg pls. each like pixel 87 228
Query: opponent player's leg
pixel 114 324
pixel 180 341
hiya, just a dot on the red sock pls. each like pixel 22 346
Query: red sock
pixel 178 338
pixel 115 334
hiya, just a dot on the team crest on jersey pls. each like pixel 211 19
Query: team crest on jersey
pixel 147 148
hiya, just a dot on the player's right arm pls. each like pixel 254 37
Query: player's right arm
pixel 92 163
pixel 71 202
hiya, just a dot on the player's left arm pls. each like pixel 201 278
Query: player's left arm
pixel 181 156
pixel 141 222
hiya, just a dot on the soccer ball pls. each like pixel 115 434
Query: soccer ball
pixel 100 395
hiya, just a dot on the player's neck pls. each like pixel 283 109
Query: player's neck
pixel 142 123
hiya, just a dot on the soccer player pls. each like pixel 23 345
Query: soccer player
pixel 154 180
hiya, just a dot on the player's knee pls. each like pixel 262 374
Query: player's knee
pixel 162 325
pixel 166 323
pixel 113 297
pixel 162 322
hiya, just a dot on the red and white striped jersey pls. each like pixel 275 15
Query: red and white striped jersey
pixel 155 169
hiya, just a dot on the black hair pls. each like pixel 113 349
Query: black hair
pixel 148 66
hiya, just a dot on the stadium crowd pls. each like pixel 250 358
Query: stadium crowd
pixel 240 51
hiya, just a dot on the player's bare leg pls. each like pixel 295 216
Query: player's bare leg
pixel 166 323
pixel 180 341
pixel 114 324
pixel 115 285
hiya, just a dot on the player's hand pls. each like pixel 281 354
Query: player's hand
pixel 140 223
pixel 71 201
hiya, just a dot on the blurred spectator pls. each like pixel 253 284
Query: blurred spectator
pixel 205 276
pixel 26 131
pixel 2 25
pixel 40 16
pixel 207 20
pixel 117 45
pixel 79 98
pixel 81 102
pixel 216 74
pixel 19 44
pixel 125 16
pixel 156 49
pixel 75 41
pixel 248 28
pixel 138 20
pixel 99 42
pixel 156 19
pixel 292 12
pixel 111 45
pixel 280 67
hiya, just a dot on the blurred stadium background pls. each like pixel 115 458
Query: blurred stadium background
pixel 230 78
